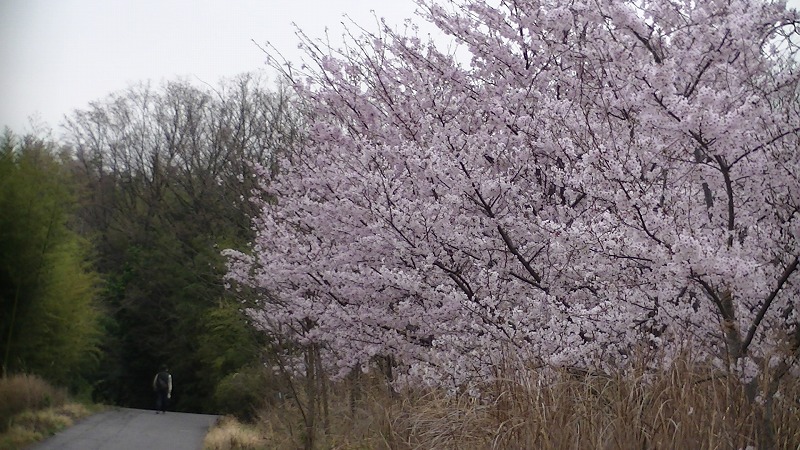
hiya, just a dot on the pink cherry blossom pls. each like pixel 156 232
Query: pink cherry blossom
pixel 600 179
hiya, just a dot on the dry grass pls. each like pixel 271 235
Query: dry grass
pixel 29 427
pixel 230 434
pixel 31 410
pixel 679 409
pixel 20 393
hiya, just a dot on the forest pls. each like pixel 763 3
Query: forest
pixel 111 240
pixel 606 192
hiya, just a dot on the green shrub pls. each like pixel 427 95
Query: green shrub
pixel 243 393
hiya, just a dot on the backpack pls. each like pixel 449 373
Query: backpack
pixel 162 381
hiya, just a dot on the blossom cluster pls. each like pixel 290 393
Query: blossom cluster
pixel 602 180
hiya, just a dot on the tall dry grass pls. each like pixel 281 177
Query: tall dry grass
pixel 23 392
pixel 230 434
pixel 683 408
pixel 680 409
pixel 31 410
pixel 32 426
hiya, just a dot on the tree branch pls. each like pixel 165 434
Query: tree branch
pixel 768 302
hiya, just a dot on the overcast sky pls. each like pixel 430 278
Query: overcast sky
pixel 58 55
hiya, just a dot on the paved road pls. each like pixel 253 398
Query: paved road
pixel 133 429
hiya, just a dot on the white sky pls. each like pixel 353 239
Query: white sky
pixel 58 55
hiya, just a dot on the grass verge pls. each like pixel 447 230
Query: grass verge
pixel 32 410
pixel 681 408
pixel 230 434
pixel 30 427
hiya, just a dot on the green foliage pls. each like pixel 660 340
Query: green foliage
pixel 227 346
pixel 228 343
pixel 243 393
pixel 165 183
pixel 156 183
pixel 50 322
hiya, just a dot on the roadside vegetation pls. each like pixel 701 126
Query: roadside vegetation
pixel 32 410
pixel 685 407
pixel 593 181
pixel 110 241
pixel 622 176
pixel 230 433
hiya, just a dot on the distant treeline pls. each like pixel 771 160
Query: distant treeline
pixel 110 240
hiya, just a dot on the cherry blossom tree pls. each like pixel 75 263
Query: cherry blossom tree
pixel 601 181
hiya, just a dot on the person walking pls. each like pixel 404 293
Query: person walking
pixel 162 384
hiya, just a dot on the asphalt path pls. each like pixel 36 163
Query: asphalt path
pixel 133 429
